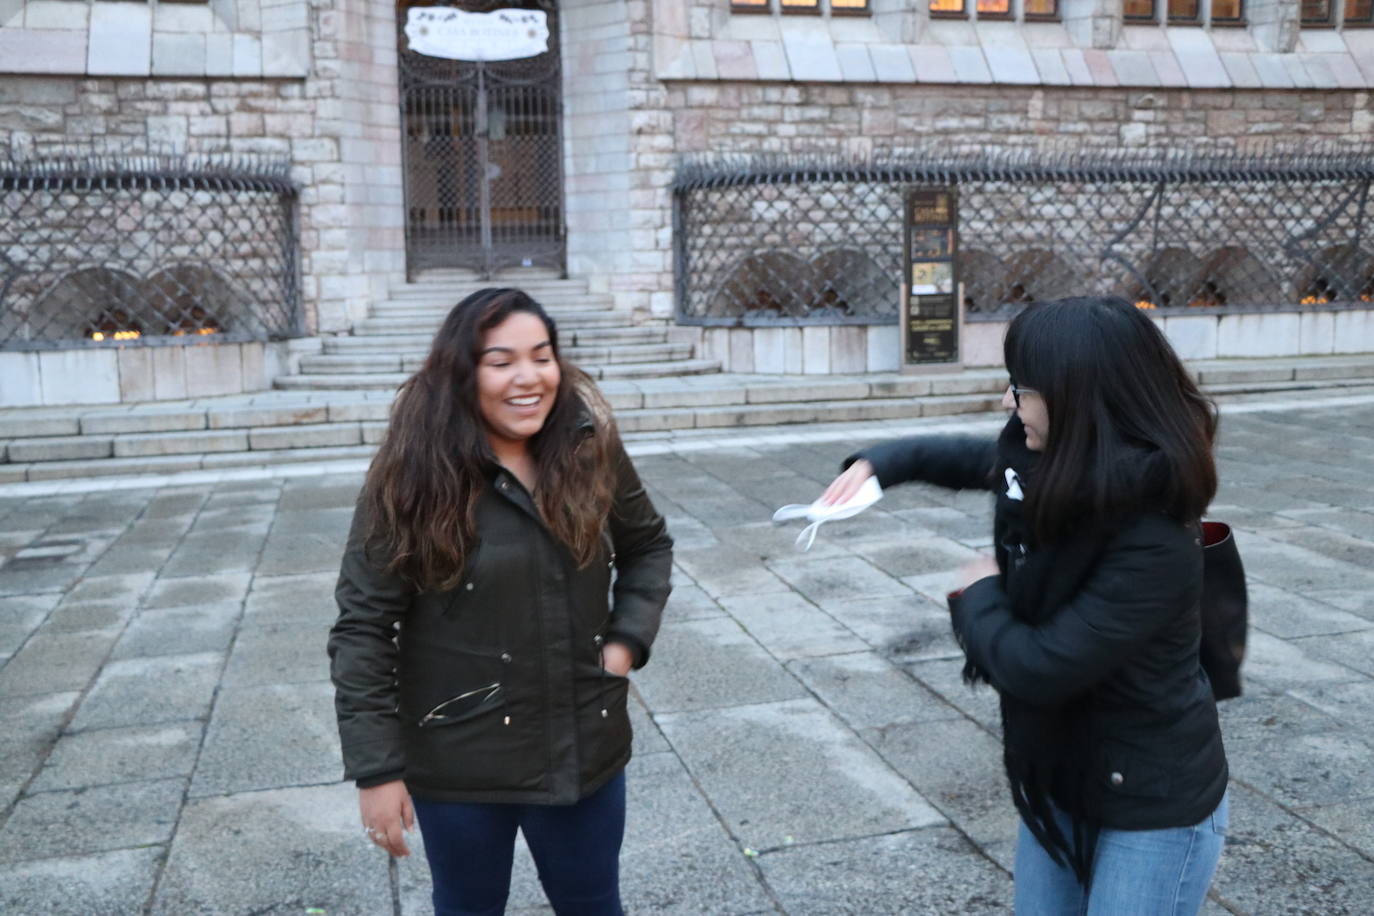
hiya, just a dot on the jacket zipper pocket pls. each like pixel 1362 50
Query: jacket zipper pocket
pixel 436 715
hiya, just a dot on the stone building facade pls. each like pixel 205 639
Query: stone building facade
pixel 644 82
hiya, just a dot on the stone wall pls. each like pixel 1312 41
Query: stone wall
pixel 619 155
pixel 858 120
pixel 338 126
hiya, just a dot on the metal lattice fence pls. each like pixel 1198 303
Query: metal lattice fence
pixel 155 248
pixel 766 242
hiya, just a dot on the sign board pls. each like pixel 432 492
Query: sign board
pixel 440 31
pixel 930 285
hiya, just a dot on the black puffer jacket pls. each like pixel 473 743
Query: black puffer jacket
pixel 494 691
pixel 1110 671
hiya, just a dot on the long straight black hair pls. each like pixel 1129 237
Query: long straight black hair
pixel 1128 428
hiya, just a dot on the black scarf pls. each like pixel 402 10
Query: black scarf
pixel 1045 750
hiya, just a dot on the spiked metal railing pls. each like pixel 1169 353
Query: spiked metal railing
pixel 160 248
pixel 766 241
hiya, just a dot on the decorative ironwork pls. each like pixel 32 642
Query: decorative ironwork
pixel 766 241
pixel 116 247
pixel 482 154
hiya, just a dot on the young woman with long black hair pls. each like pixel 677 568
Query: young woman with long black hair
pixel 1087 623
pixel 479 667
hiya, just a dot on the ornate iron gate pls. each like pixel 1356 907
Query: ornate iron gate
pixel 482 154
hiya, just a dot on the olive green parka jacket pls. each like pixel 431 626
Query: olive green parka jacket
pixel 494 691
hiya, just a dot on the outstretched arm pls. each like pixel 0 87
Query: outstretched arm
pixel 957 462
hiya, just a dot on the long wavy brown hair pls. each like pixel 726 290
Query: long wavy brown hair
pixel 435 462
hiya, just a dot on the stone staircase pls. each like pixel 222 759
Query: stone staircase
pixel 390 344
pixel 331 424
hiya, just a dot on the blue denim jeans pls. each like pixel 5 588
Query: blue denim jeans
pixel 576 848
pixel 1135 872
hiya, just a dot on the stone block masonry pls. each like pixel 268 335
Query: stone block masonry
pixel 314 83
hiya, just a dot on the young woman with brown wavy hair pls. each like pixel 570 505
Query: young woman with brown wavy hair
pixel 479 665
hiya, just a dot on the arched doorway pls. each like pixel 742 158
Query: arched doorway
pixel 482 154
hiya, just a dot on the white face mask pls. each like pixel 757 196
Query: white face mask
pixel 819 513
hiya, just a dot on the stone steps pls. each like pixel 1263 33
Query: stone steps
pixel 372 363
pixel 581 319
pixel 392 342
pixel 290 426
pixel 413 344
pixel 440 303
pixel 389 381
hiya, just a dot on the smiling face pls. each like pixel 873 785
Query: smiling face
pixel 1034 414
pixel 517 381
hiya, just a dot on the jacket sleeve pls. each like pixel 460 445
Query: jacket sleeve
pixel 957 462
pixel 363 658
pixel 643 562
pixel 1146 574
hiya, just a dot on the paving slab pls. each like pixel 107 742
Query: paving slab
pixel 79 616
pixel 867 690
pixel 313 551
pixel 29 726
pixel 714 663
pixel 789 626
pixel 271 736
pixel 1276 862
pixel 278 653
pixel 900 557
pixel 293 851
pixel 55 662
pixel 304 599
pixel 1276 664
pixel 216 552
pixel 920 871
pixel 957 765
pixel 131 557
pixel 91 819
pixel 108 882
pixel 790 769
pixel 1289 614
pixel 723 571
pixel 20 615
pixel 179 630
pixel 909 626
pixel 106 756
pixel 150 691
pixel 945 676
pixel 839 579
pixel 689 602
pixel 194 591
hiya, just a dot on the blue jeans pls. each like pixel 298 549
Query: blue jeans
pixel 1135 872
pixel 576 848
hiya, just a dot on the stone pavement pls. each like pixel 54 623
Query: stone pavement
pixel 804 743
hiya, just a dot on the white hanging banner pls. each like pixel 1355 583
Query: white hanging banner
pixel 439 31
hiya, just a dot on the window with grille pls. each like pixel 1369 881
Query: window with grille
pixel 1228 12
pixel 1184 11
pixel 1138 10
pixel 812 7
pixel 1359 12
pixel 993 9
pixel 1316 12
pixel 947 8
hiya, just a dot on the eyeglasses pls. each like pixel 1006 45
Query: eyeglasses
pixel 1018 390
